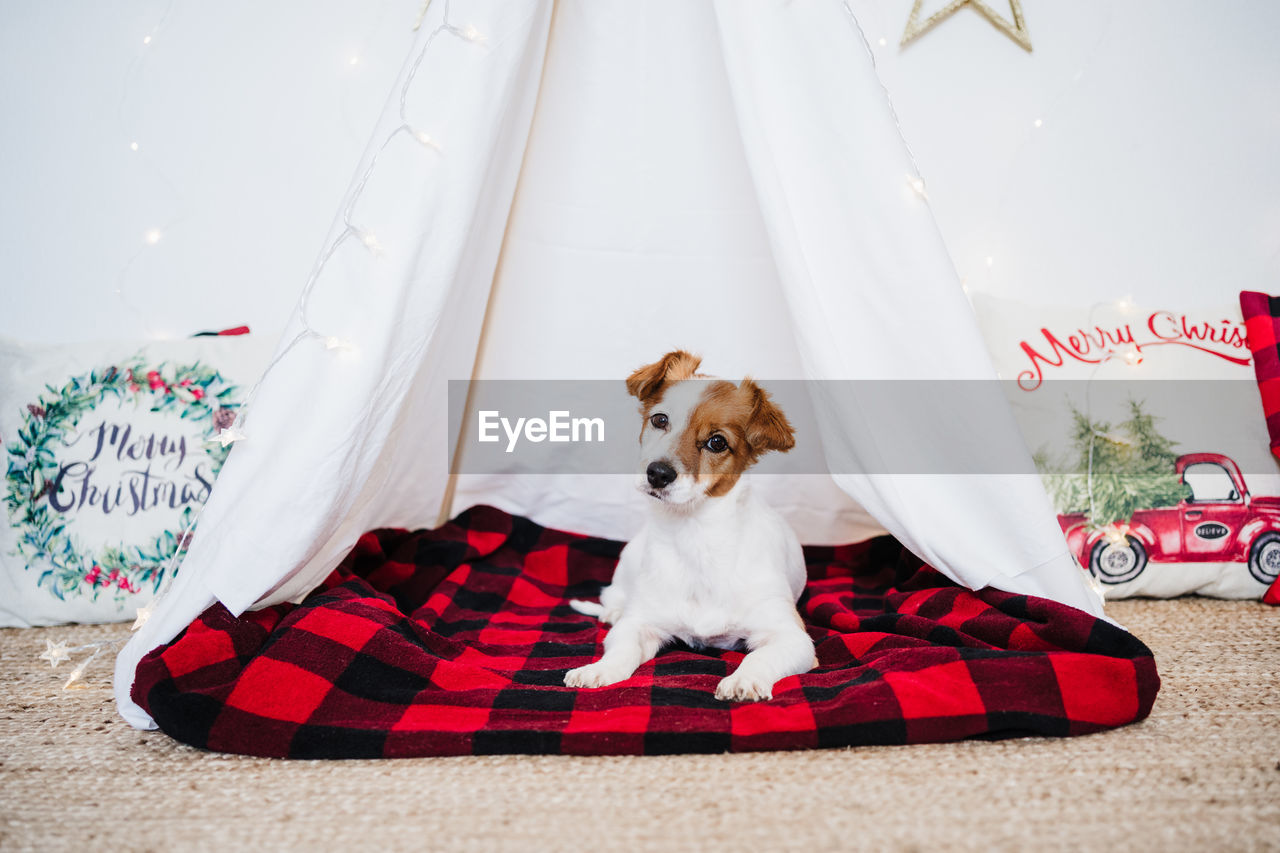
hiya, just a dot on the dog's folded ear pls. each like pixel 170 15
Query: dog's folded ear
pixel 768 428
pixel 646 383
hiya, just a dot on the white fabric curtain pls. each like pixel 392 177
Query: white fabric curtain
pixel 808 206
pixel 873 294
pixel 341 441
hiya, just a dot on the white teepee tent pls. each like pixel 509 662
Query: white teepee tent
pixel 567 189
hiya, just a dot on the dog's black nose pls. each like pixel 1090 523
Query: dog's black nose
pixel 660 474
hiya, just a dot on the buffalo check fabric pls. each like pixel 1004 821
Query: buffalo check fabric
pixel 456 642
pixel 1262 328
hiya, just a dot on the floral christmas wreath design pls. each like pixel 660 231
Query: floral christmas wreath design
pixel 197 393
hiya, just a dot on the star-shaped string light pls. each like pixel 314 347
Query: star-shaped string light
pixel 143 614
pixel 1016 29
pixel 55 653
pixel 226 436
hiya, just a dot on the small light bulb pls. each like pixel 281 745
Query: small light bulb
pixel 990 262
pixel 883 41
pixel 1131 355
pixel 369 239
pixel 425 138
pixel 1038 122
pixel 917 184
pixel 340 347
pixel 1115 534
pixel 146 39
pixel 355 60
pixel 152 236
pixel 133 146
pixel 471 34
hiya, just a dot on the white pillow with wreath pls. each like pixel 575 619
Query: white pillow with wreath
pixel 106 457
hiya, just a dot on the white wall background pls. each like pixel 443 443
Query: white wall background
pixel 1152 174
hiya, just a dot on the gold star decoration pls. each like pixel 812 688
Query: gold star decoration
pixel 1017 30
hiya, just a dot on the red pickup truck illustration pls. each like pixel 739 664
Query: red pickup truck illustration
pixel 1219 521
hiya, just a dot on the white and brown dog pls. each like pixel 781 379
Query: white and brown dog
pixel 713 566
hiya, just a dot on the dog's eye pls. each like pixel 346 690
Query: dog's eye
pixel 717 444
pixel 659 421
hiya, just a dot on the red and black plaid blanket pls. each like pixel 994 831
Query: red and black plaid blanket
pixel 456 641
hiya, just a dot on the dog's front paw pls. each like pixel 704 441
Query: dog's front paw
pixel 594 675
pixel 744 687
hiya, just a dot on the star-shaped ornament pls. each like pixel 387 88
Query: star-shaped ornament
pixel 55 653
pixel 1015 29
pixel 227 436
pixel 144 613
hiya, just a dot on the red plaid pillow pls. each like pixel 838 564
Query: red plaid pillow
pixel 1262 325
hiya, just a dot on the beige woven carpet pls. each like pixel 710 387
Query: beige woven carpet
pixel 1201 774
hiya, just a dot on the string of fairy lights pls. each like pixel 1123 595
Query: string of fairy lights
pixel 347 230
pixel 915 180
pixel 1016 29
pixel 1129 354
pixel 1013 25
pixel 152 235
pixel 351 230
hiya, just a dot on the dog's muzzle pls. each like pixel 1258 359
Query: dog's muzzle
pixel 660 474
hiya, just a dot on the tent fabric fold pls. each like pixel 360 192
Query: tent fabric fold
pixel 456 641
pixel 592 161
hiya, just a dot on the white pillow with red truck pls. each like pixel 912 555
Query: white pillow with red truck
pixel 1190 369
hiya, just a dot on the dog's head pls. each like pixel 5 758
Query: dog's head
pixel 698 437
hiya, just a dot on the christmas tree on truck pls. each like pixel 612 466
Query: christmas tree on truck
pixel 1114 470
